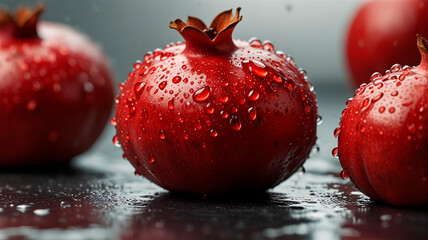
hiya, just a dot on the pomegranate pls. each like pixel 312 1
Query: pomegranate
pixel 55 90
pixel 216 115
pixel 383 141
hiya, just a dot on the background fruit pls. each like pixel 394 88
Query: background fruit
pixel 214 115
pixel 383 141
pixel 55 90
pixel 382 34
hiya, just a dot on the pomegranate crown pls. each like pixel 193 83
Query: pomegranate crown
pixel 422 44
pixel 22 24
pixel 217 37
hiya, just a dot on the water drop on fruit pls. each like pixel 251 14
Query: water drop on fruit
pixel 224 114
pixel 209 108
pixel 396 67
pixel 235 123
pixel 268 46
pixel 255 43
pixel 116 141
pixel 224 99
pixel 176 79
pixel 171 104
pixel 113 121
pixel 139 88
pixel 151 159
pixel 252 113
pixel 315 148
pixel 377 97
pixel 394 93
pixel 162 85
pixel 132 110
pixel 202 94
pixel 162 134
pixel 382 109
pixel 213 133
pixel 344 174
pixel 391 110
pixel 336 132
pixel 375 76
pixel 335 152
pixel 253 95
pixel 258 68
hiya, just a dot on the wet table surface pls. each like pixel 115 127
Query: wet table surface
pixel 98 197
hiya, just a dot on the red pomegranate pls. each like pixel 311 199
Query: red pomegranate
pixel 215 115
pixel 55 90
pixel 383 137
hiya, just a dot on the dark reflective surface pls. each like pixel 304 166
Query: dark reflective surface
pixel 98 197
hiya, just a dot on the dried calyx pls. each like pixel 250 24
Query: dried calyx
pixel 423 49
pixel 22 24
pixel 215 38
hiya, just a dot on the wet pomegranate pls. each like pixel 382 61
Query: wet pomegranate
pixel 55 90
pixel 381 34
pixel 383 137
pixel 215 115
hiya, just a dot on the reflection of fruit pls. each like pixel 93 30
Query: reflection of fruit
pixel 383 141
pixel 382 34
pixel 55 90
pixel 214 114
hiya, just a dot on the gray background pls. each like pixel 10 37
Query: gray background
pixel 312 31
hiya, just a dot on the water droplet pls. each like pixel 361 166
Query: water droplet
pixel 377 97
pixel 151 159
pixel 132 110
pixel 375 76
pixel 162 85
pixel 202 94
pixel 116 141
pixel 23 208
pixel 224 99
pixel 391 110
pixel 41 212
pixel 402 77
pixel 255 43
pixel 258 68
pixel 139 87
pixel 315 148
pixel 394 93
pixel 209 108
pixel 396 67
pixel 171 104
pixel 186 136
pixel 252 113
pixel 268 46
pixel 302 171
pixel 31 105
pixel 176 79
pixel 382 109
pixel 335 152
pixel 224 114
pixel 253 95
pixel 213 133
pixel 365 105
pixel 319 120
pixel 336 132
pixel 344 174
pixel 113 121
pixel 162 134
pixel 235 123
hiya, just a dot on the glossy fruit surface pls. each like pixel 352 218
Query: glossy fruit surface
pixel 55 90
pixel 382 34
pixel 213 114
pixel 383 137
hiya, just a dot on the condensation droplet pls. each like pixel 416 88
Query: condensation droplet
pixel 252 113
pixel 344 174
pixel 202 94
pixel 235 123
pixel 116 141
pixel 335 152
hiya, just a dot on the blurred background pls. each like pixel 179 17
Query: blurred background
pixel 312 31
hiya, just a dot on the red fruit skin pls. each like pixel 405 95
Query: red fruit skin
pixel 382 34
pixel 383 142
pixel 190 146
pixel 56 95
